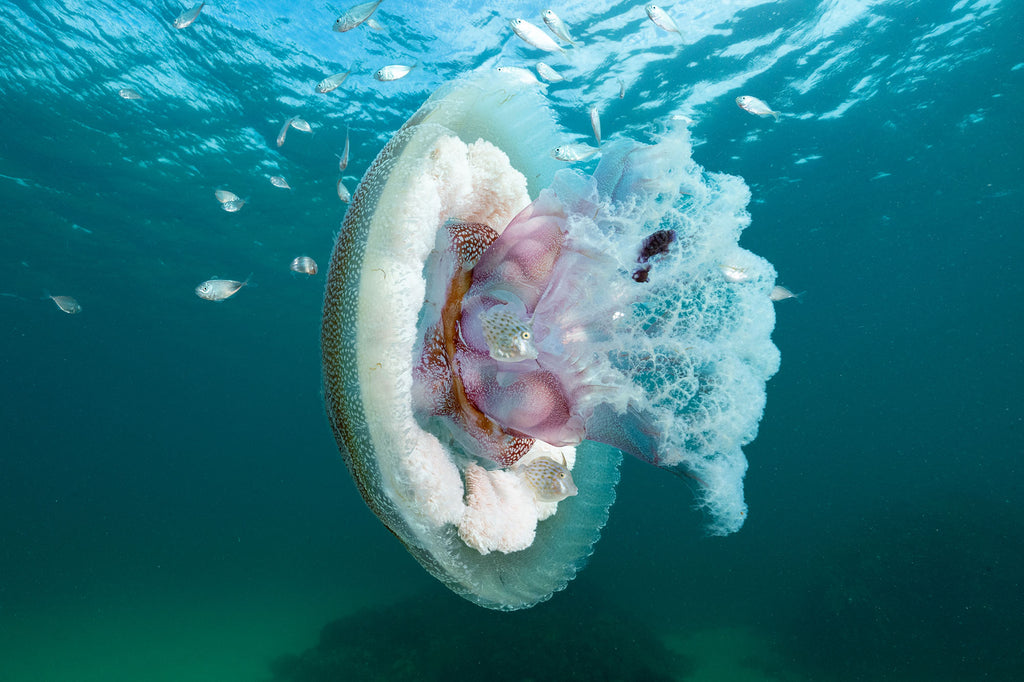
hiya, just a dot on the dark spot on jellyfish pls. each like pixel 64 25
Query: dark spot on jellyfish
pixel 641 274
pixel 656 244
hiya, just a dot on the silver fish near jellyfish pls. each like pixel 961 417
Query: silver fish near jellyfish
pixel 355 15
pixel 301 124
pixel 224 195
pixel 304 265
pixel 343 192
pixel 284 131
pixel 392 72
pixel 595 122
pixel 661 19
pixel 524 76
pixel 574 152
pixel 557 26
pixel 332 82
pixel 755 106
pixel 279 181
pixel 186 18
pixel 781 293
pixel 734 274
pixel 67 304
pixel 233 206
pixel 343 159
pixel 128 93
pixel 549 74
pixel 220 289
pixel 532 35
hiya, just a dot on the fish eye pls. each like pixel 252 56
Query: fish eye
pixel 525 336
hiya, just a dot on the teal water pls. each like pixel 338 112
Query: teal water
pixel 172 504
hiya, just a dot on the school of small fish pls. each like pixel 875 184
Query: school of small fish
pixel 508 337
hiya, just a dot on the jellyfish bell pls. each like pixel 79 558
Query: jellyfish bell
pixel 485 339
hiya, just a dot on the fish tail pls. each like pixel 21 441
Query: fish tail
pixel 248 281
pixel 776 115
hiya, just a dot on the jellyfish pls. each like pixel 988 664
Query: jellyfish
pixel 498 329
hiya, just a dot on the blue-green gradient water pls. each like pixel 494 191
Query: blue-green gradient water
pixel 172 503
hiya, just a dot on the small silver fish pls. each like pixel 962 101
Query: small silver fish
pixel 374 24
pixel 284 131
pixel 233 206
pixel 355 15
pixel 224 196
pixel 343 192
pixel 343 159
pixel 534 36
pixel 622 88
pixel 661 19
pixel 524 76
pixel 508 338
pixel 595 122
pixel 66 303
pixel 557 26
pixel 780 293
pixel 393 72
pixel 128 93
pixel 756 106
pixel 549 74
pixel 301 124
pixel 186 18
pixel 220 289
pixel 304 265
pixel 734 274
pixel 551 481
pixel 332 82
pixel 279 181
pixel 574 152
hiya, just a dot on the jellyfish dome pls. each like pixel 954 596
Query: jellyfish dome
pixel 498 328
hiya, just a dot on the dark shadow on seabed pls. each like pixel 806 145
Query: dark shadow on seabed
pixel 441 637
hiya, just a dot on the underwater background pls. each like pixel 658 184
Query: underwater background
pixel 173 506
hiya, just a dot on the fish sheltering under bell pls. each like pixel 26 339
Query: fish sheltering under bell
pixel 483 313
